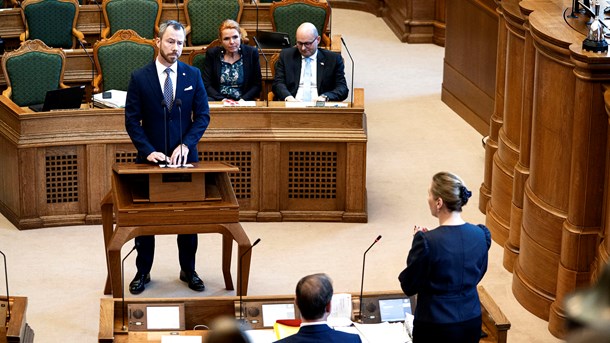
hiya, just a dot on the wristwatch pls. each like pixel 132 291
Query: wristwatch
pixel 324 96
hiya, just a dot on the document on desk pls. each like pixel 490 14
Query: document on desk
pixel 383 333
pixel 110 99
pixel 261 336
pixel 341 311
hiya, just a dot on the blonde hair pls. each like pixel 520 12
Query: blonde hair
pixel 451 189
pixel 231 24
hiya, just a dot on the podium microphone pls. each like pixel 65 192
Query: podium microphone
pixel 241 302
pixel 92 68
pixel 99 8
pixel 123 283
pixel 350 57
pixel 8 301
pixel 164 105
pixel 258 45
pixel 362 279
pixel 255 2
pixel 178 103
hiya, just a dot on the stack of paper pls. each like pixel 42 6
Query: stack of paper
pixel 110 99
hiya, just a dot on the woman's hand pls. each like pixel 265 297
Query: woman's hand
pixel 417 229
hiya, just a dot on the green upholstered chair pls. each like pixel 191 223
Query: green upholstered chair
pixel 287 15
pixel 51 21
pixel 118 56
pixel 31 71
pixel 142 16
pixel 197 57
pixel 203 17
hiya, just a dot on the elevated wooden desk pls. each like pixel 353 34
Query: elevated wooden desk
pixel 204 310
pixel 295 164
pixel 149 200
pixel 17 330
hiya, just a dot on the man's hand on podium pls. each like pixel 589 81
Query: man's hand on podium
pixel 179 155
pixel 156 157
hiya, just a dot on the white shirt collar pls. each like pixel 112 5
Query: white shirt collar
pixel 161 68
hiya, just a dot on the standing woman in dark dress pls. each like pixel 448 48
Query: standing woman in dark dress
pixel 232 71
pixel 444 266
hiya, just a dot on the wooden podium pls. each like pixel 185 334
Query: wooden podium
pixel 17 329
pixel 150 200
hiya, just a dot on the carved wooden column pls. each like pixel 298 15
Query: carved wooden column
pixel 505 159
pixel 580 232
pixel 495 123
pixel 546 196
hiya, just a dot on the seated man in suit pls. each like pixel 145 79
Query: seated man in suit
pixel 306 73
pixel 313 298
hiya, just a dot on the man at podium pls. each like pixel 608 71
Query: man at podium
pixel 166 113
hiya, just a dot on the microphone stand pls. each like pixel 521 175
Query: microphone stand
pixel 123 284
pixel 362 279
pixel 266 66
pixel 8 301
pixel 350 57
pixel 241 303
pixel 179 104
pixel 255 2
pixel 164 105
pixel 99 8
pixel 92 68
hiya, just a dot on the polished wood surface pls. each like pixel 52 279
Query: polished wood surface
pixel 203 310
pixel 546 180
pixel 470 60
pixel 144 205
pixel 305 164
pixel 17 329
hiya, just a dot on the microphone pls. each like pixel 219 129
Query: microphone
pixel 255 2
pixel 164 105
pixel 330 26
pixel 266 65
pixel 177 10
pixel 178 103
pixel 350 57
pixel 92 68
pixel 8 301
pixel 362 279
pixel 123 283
pixel 241 302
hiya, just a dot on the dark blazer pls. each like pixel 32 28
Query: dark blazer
pixel 444 267
pixel 330 74
pixel 144 114
pixel 320 333
pixel 251 88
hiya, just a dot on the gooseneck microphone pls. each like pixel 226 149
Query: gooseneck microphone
pixel 362 279
pixel 266 65
pixel 241 303
pixel 92 68
pixel 178 103
pixel 350 57
pixel 123 283
pixel 164 105
pixel 255 2
pixel 99 8
pixel 8 301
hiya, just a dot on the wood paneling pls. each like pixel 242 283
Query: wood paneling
pixel 56 165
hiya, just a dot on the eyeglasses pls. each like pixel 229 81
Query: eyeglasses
pixel 307 44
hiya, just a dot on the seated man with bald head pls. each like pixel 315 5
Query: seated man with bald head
pixel 313 298
pixel 306 73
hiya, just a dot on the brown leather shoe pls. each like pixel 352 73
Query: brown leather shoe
pixel 195 283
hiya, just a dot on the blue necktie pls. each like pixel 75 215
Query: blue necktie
pixel 168 90
pixel 307 80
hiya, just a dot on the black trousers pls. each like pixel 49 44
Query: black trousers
pixel 187 248
pixel 463 332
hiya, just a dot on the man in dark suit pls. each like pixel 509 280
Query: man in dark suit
pixel 166 113
pixel 313 298
pixel 306 73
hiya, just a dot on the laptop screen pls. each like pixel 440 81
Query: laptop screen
pixel 394 310
pixel 61 99
pixel 273 40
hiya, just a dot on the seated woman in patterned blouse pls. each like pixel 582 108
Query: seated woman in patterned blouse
pixel 232 71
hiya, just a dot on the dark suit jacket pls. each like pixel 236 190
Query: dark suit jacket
pixel 144 114
pixel 330 74
pixel 251 88
pixel 320 333
pixel 444 267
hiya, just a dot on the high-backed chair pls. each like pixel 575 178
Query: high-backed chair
pixel 197 57
pixel 203 17
pixel 142 16
pixel 287 15
pixel 31 71
pixel 118 56
pixel 51 21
